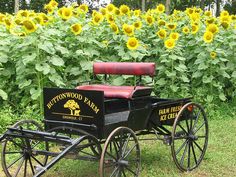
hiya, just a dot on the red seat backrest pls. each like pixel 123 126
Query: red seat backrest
pixel 125 68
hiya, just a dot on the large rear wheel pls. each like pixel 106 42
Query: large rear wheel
pixel 189 137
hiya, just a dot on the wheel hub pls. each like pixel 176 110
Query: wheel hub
pixel 123 163
pixel 192 137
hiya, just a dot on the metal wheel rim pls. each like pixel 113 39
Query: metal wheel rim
pixel 190 141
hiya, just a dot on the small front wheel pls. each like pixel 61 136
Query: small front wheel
pixel 189 137
pixel 121 154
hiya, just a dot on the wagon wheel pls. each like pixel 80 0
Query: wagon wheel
pixel 88 149
pixel 18 154
pixel 121 154
pixel 189 137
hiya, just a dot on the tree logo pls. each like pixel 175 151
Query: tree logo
pixel 73 106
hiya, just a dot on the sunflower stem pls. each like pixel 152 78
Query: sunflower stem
pixel 39 80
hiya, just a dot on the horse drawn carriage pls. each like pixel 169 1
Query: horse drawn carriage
pixel 101 122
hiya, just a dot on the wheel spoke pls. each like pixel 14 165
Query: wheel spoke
pixel 15 161
pixel 25 170
pixel 181 147
pixel 204 136
pixel 199 127
pixel 182 129
pixel 17 152
pixel 183 156
pixel 186 121
pixel 194 155
pixel 198 146
pixel 37 161
pixel 189 154
pixel 130 170
pixel 110 164
pixel 130 151
pixel 125 145
pixel 123 172
pixel 113 157
pixel 17 144
pixel 197 117
pixel 180 138
pixel 19 167
pixel 114 172
pixel 31 166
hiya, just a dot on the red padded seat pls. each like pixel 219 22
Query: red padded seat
pixel 119 91
pixel 122 68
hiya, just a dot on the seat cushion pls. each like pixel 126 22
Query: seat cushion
pixel 119 91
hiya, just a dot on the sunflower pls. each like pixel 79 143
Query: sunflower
pixel 233 17
pixel 110 8
pixel 23 13
pixel 161 22
pixel 49 8
pixel 189 11
pixel 160 8
pixel 124 10
pixel 195 17
pixel 103 11
pixel 44 17
pixel 170 43
pixel 208 13
pixel 128 29
pixel 114 27
pixel 110 18
pixel 117 11
pixel 98 18
pixel 225 24
pixel 195 28
pixel 185 30
pixel 161 33
pixel 76 28
pixel 8 22
pixel 212 28
pixel 150 20
pixel 29 26
pixel 2 16
pixel 39 20
pixel 66 13
pixel 224 13
pixel 18 21
pixel 132 43
pixel 213 55
pixel 174 36
pixel 53 3
pixel 225 19
pixel 210 21
pixel 83 8
pixel 137 25
pixel 171 26
pixel 208 37
pixel 137 13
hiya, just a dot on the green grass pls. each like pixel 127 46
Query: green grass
pixel 156 157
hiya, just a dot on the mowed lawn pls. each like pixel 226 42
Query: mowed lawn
pixel 220 158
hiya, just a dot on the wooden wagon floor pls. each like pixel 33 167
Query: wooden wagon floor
pixel 116 117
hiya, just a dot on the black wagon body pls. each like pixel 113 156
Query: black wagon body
pixel 102 123
pixel 100 116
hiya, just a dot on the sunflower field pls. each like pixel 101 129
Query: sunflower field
pixel 194 52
